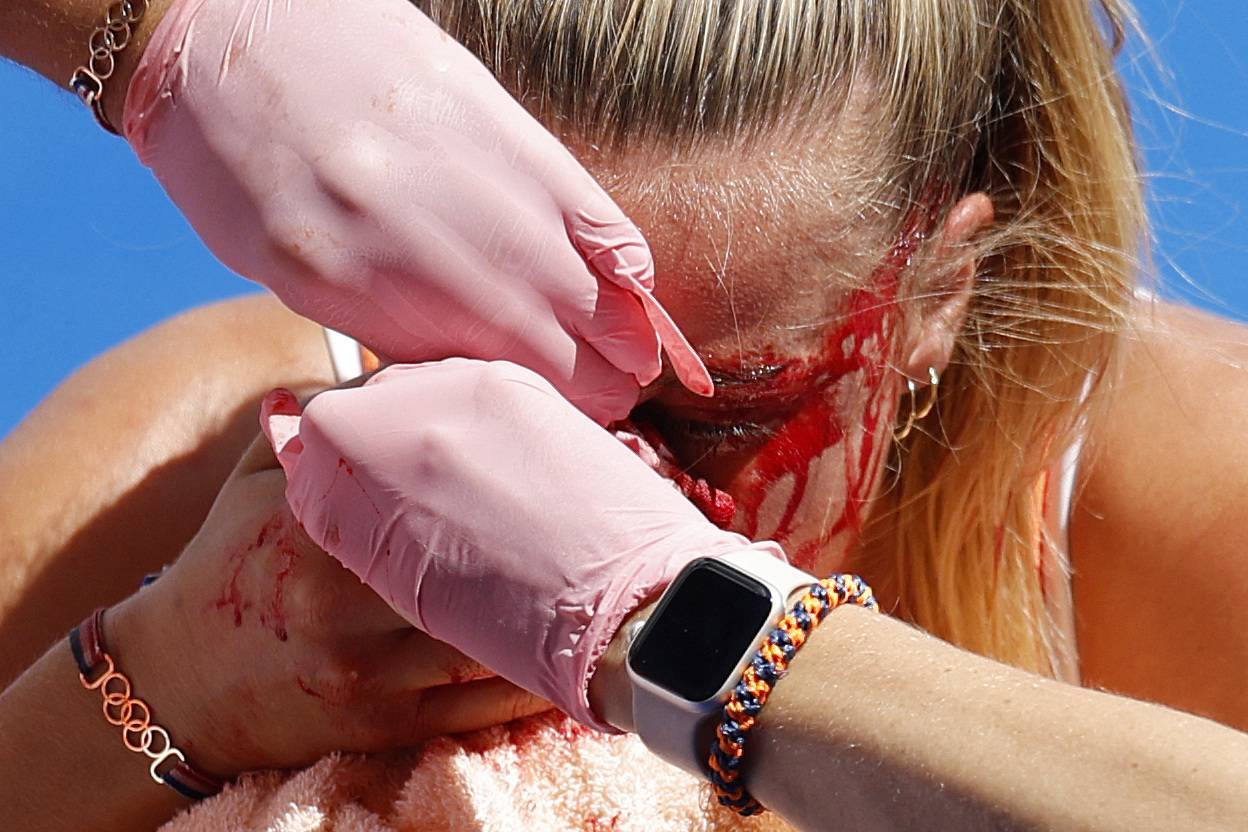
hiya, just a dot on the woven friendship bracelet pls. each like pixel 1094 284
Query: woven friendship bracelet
pixel 97 671
pixel 769 665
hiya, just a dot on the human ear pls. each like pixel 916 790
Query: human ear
pixel 938 318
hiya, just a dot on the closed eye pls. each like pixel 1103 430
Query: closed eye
pixel 693 440
pixel 723 437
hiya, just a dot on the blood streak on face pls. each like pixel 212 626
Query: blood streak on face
pixel 847 412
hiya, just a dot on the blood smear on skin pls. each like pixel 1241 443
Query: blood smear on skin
pixel 231 592
pixel 275 617
pixel 858 347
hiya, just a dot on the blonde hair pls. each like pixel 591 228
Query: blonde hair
pixel 1015 98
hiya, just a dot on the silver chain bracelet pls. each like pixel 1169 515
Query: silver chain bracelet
pixel 106 41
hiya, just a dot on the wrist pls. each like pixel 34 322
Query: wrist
pixel 610 692
pixel 151 644
pixel 58 744
pixel 610 688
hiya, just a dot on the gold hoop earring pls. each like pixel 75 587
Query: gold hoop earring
pixel 917 413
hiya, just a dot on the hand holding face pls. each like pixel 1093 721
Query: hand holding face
pixel 258 650
pixel 390 188
pixel 488 511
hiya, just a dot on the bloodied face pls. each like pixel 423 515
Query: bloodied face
pixel 796 311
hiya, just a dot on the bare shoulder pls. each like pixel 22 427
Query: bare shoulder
pixel 1159 531
pixel 114 471
pixel 190 372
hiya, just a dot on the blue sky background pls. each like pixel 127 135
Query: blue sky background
pixel 95 253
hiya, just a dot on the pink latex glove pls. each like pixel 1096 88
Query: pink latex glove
pixel 490 513
pixel 370 171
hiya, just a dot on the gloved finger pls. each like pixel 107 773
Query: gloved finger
pixel 621 332
pixel 599 390
pixel 577 364
pixel 609 242
pixel 280 414
pixel 615 250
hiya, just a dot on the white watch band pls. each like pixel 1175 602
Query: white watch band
pixel 680 731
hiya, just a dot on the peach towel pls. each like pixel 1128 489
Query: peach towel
pixel 541 773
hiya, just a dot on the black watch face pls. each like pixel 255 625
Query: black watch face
pixel 705 623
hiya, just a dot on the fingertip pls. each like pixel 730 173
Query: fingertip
pixel 685 360
pixel 613 247
pixel 692 372
pixel 617 252
pixel 280 416
pixel 280 400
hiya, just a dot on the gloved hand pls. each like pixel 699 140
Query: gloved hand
pixel 490 513
pixel 370 171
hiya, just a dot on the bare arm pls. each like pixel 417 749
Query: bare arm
pixel 62 766
pixel 880 726
pixel 50 37
pixel 255 650
pixel 896 729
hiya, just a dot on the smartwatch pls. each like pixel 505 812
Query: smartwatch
pixel 691 652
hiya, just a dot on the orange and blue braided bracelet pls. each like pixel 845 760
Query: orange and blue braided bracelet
pixel 769 665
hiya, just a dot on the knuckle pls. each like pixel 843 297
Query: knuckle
pixel 416 723
pixel 327 410
pixel 497 373
pixel 290 239
pixel 383 723
pixel 522 704
pixel 415 710
pixel 434 450
pixel 357 163
pixel 506 382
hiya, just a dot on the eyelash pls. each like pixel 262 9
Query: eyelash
pixel 720 437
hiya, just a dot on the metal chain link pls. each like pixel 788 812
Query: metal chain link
pixel 134 717
pixel 106 40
